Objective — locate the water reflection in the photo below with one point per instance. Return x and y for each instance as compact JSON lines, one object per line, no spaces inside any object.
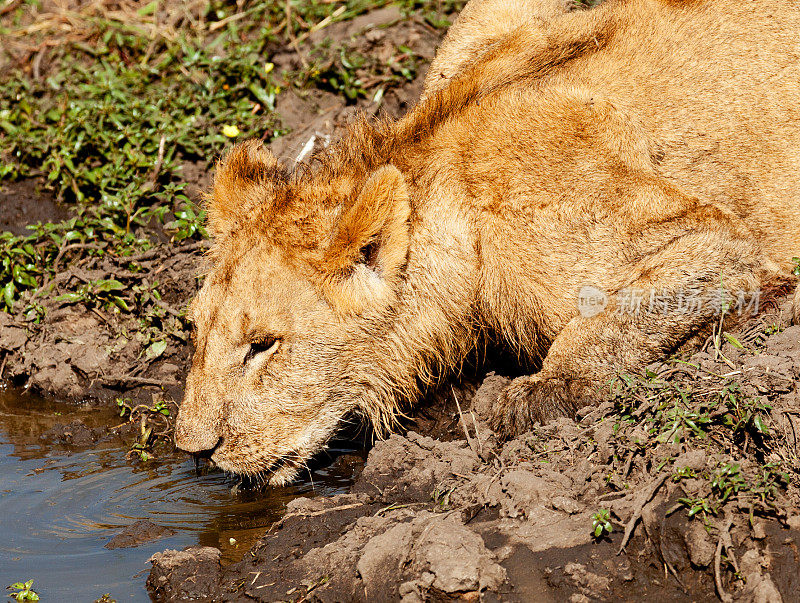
{"x":59,"y":505}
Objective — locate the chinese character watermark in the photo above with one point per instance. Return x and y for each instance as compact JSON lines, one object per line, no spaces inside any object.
{"x":592,"y":301}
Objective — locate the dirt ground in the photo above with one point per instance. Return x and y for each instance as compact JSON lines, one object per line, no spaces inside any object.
{"x":691,"y":472}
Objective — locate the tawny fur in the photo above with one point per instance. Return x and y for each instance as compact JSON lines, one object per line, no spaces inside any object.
{"x":479,"y":26}
{"x":646,"y":144}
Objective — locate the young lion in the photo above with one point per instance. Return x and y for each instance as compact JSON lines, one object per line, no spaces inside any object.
{"x":644,"y":150}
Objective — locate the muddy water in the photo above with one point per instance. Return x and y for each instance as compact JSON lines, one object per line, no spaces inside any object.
{"x":60,"y":505}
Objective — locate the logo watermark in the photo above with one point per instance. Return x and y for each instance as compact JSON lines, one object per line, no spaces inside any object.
{"x":591,"y":301}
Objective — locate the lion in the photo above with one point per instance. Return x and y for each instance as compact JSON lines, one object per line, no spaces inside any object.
{"x":592,"y":190}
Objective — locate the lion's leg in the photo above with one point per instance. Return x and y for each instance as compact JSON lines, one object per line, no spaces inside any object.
{"x":691,"y":268}
{"x":796,"y":307}
{"x":481,"y":23}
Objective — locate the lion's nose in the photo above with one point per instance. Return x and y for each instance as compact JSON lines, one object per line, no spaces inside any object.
{"x":195,"y":438}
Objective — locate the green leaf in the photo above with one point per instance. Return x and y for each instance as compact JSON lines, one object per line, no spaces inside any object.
{"x":148,"y":9}
{"x":8,"y":294}
{"x":262,"y":95}
{"x":733,"y":341}
{"x":156,"y":349}
{"x":760,"y":425}
{"x":120,"y":303}
{"x":107,"y":285}
{"x":71,"y":298}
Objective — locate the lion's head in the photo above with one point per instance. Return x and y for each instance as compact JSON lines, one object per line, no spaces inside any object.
{"x":305,"y":278}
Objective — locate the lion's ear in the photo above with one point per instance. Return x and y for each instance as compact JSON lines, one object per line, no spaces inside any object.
{"x":368,"y":250}
{"x":243,"y":180}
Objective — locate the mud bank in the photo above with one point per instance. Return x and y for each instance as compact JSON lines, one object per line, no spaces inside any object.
{"x":696,"y":465}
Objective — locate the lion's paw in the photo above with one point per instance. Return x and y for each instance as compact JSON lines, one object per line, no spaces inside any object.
{"x":535,"y":399}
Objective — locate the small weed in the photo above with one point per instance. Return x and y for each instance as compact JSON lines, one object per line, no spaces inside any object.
{"x":23,"y":591}
{"x":769,"y":480}
{"x":108,"y":132}
{"x":698,"y":505}
{"x":744,"y":415}
{"x":103,"y":293}
{"x":441,"y":497}
{"x":18,"y":267}
{"x":796,"y":269}
{"x":353,"y":75}
{"x":682,"y":473}
{"x":677,"y":419}
{"x":149,"y":418}
{"x":727,"y":481}
{"x":601,"y":523}
{"x":188,"y":223}
{"x":717,"y":417}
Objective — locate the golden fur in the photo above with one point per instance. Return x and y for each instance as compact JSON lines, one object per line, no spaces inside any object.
{"x":643,"y":145}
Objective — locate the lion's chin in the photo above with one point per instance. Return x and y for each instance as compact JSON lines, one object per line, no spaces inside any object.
{"x":283,"y":476}
{"x":282,"y":473}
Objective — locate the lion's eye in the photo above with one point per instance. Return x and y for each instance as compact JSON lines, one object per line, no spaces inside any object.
{"x":261,"y":346}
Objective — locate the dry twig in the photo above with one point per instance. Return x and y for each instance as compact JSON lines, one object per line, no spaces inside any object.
{"x":644,"y":498}
{"x":723,"y":542}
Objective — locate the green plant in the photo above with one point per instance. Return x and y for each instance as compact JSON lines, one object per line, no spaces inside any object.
{"x":698,"y":505}
{"x":441,"y":496}
{"x":23,"y":591}
{"x":769,"y":480}
{"x":676,"y":418}
{"x":189,"y":222}
{"x":104,"y":293}
{"x":346,"y":71}
{"x":150,"y":418}
{"x":727,"y":481}
{"x":712,"y":413}
{"x":796,"y":269}
{"x":744,"y":414}
{"x":601,"y":523}
{"x":18,"y":267}
{"x":683,"y":473}
{"x":109,"y":130}
{"x":125,"y":408}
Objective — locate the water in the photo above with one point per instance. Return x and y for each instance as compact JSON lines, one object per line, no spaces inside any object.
{"x":59,"y":506}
